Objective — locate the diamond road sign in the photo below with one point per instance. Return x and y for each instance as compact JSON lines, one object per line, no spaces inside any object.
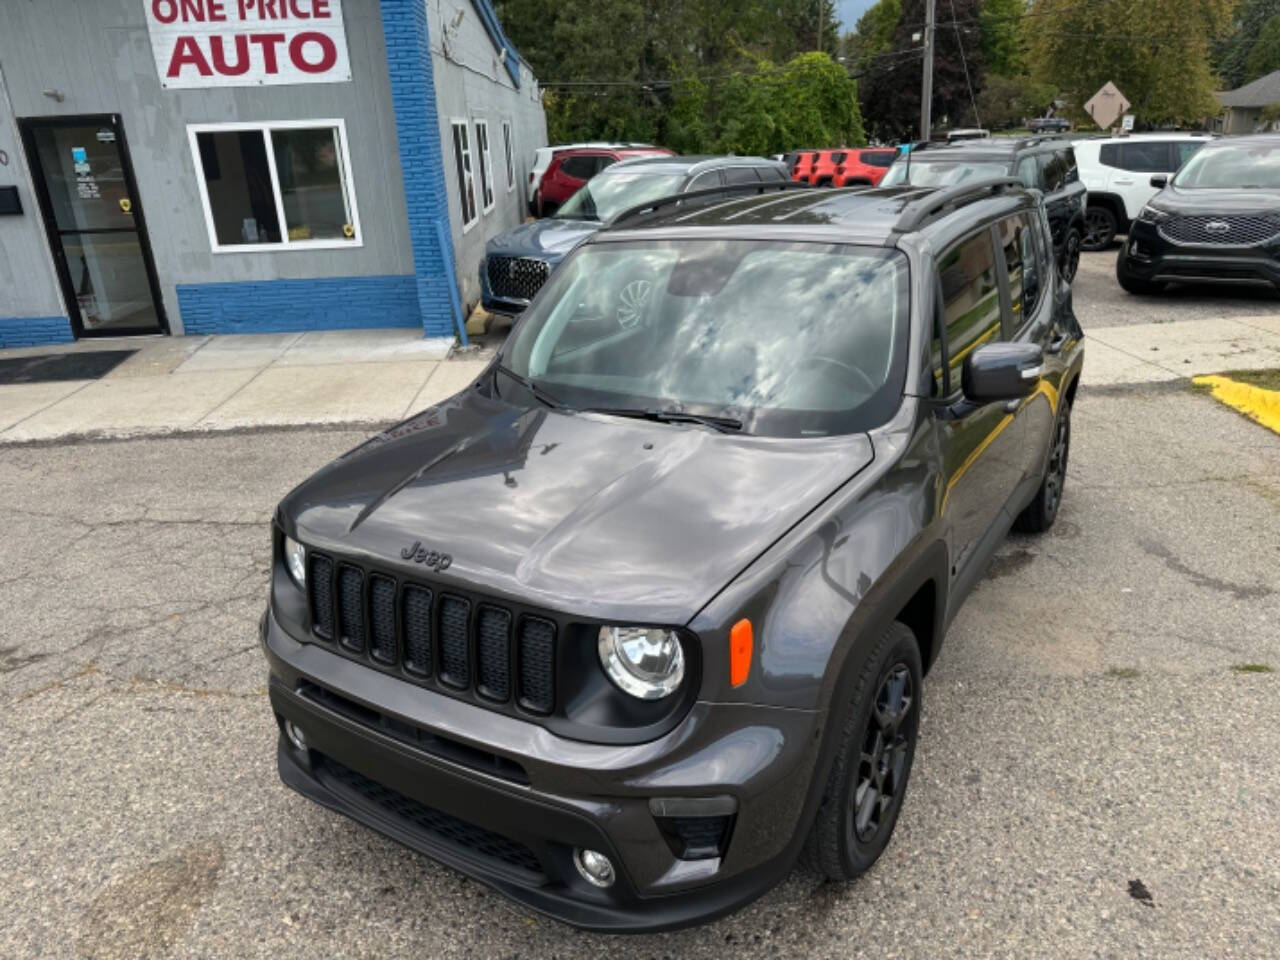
{"x":1107,"y":106}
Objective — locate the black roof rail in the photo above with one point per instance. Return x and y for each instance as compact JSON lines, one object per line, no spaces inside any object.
{"x":651,"y":206}
{"x":919,"y":212}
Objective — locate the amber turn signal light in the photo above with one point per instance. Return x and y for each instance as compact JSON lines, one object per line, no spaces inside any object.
{"x":740,"y":645}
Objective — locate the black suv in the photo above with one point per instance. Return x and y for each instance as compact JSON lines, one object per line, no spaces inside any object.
{"x":641,"y":616}
{"x":1216,"y":221}
{"x":1046,"y":163}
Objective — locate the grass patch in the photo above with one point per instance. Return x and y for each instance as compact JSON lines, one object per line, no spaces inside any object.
{"x":1252,"y":668}
{"x":1122,"y":673}
{"x":1264,"y":379}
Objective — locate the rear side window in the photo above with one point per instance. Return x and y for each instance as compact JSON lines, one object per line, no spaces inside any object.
{"x":879,"y":158}
{"x":1023,"y":264}
{"x":838,"y":157}
{"x":583,"y":168}
{"x":772,"y":173}
{"x":740,"y":175}
{"x":970,"y":305}
{"x":1109,"y":155}
{"x":1054,"y":168}
{"x":1146,"y":156}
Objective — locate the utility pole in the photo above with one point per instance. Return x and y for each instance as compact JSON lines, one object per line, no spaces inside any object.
{"x":822,"y":9}
{"x":926,"y":89}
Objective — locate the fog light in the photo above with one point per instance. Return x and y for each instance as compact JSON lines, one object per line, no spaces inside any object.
{"x":295,"y":735}
{"x":594,"y":867}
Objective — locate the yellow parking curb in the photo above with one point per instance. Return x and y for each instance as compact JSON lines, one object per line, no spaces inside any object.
{"x":1254,"y":402}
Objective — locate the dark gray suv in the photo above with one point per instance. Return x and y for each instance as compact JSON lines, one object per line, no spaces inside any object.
{"x":517,"y":263}
{"x":641,"y":616}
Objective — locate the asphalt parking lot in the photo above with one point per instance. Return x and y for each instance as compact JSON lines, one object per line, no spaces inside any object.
{"x":1097,"y":776}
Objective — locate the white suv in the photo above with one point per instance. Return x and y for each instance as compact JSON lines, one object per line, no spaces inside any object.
{"x":1117,"y":172}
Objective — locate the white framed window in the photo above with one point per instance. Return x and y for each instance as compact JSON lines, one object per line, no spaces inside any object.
{"x":509,"y":147}
{"x":486,"y":164}
{"x":465,"y":172}
{"x":284,"y":185}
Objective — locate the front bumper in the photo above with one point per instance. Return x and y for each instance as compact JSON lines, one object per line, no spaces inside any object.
{"x":507,"y":802}
{"x":1148,"y":257}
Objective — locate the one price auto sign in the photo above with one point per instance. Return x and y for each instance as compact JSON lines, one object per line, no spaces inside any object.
{"x":247,"y":43}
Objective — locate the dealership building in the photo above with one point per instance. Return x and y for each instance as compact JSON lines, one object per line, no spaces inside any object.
{"x":254,"y":166}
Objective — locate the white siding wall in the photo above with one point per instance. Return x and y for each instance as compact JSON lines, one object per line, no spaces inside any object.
{"x":472,"y":83}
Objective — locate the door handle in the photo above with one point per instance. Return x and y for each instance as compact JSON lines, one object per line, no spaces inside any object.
{"x":1055,"y":346}
{"x":1123,"y":181}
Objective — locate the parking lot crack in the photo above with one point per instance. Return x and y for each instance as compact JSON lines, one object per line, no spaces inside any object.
{"x":1238,"y":591}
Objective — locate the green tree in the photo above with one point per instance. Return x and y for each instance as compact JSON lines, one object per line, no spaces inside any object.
{"x":809,"y":101}
{"x":1265,"y":55}
{"x":873,"y":35}
{"x":1010,"y":101}
{"x":891,"y":86}
{"x":1001,"y":25}
{"x":1231,"y":51}
{"x":1159,"y":62}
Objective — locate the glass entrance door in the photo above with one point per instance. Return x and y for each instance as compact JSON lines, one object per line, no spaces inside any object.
{"x":94,"y":222}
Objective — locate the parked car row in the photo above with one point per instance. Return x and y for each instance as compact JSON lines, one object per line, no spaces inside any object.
{"x":1216,"y":220}
{"x":1046,"y":163}
{"x":559,"y":172}
{"x":847,"y":167}
{"x":1117,"y":172}
{"x":517,"y":263}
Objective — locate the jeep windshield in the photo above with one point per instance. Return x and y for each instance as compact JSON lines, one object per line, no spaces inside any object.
{"x":771,"y":338}
{"x":608,"y":194}
{"x":1232,"y":167}
{"x":943,"y":171}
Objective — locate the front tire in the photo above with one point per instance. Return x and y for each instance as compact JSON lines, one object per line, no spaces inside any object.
{"x":864,"y":792}
{"x":1131,"y":284}
{"x":1041,"y":512}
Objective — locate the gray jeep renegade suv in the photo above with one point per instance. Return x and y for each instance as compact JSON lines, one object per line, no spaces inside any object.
{"x":641,"y":616}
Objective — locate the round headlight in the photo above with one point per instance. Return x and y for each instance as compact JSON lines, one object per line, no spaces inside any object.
{"x":295,"y":561}
{"x":646,"y":662}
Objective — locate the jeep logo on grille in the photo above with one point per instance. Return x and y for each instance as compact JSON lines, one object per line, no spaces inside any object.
{"x":431,"y":559}
{"x":1217,"y":226}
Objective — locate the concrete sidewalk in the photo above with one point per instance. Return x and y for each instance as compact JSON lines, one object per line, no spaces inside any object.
{"x":219,"y":383}
{"x":1181,"y":349}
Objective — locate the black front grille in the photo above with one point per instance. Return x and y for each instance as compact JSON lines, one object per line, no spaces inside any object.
{"x":320,"y":579}
{"x":1229,"y":230}
{"x":429,"y":635}
{"x":350,"y":608}
{"x":518,"y":277}
{"x":438,"y":825}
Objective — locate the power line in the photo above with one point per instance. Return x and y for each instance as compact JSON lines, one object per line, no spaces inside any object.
{"x":964,"y":63}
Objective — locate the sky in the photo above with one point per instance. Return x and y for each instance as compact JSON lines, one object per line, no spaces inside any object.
{"x":849,"y":11}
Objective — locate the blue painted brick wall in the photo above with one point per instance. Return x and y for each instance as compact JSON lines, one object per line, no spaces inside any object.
{"x":280,"y":306}
{"x":34,"y":331}
{"x":413,"y":97}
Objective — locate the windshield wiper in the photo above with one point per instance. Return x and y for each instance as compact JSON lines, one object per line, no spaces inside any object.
{"x":722,"y":424}
{"x":537,"y":391}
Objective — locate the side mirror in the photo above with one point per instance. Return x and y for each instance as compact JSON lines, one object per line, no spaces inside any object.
{"x":1160,"y":180}
{"x":1002,"y":371}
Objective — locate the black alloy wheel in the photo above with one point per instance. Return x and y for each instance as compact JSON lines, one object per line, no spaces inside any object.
{"x":1071,"y":255}
{"x":878,"y":727}
{"x":1099,"y":229}
{"x":1043,"y":510}
{"x":883,"y":763}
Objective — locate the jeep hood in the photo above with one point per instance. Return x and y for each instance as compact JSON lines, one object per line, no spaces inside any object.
{"x":586,"y":514}
{"x":548,"y":239}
